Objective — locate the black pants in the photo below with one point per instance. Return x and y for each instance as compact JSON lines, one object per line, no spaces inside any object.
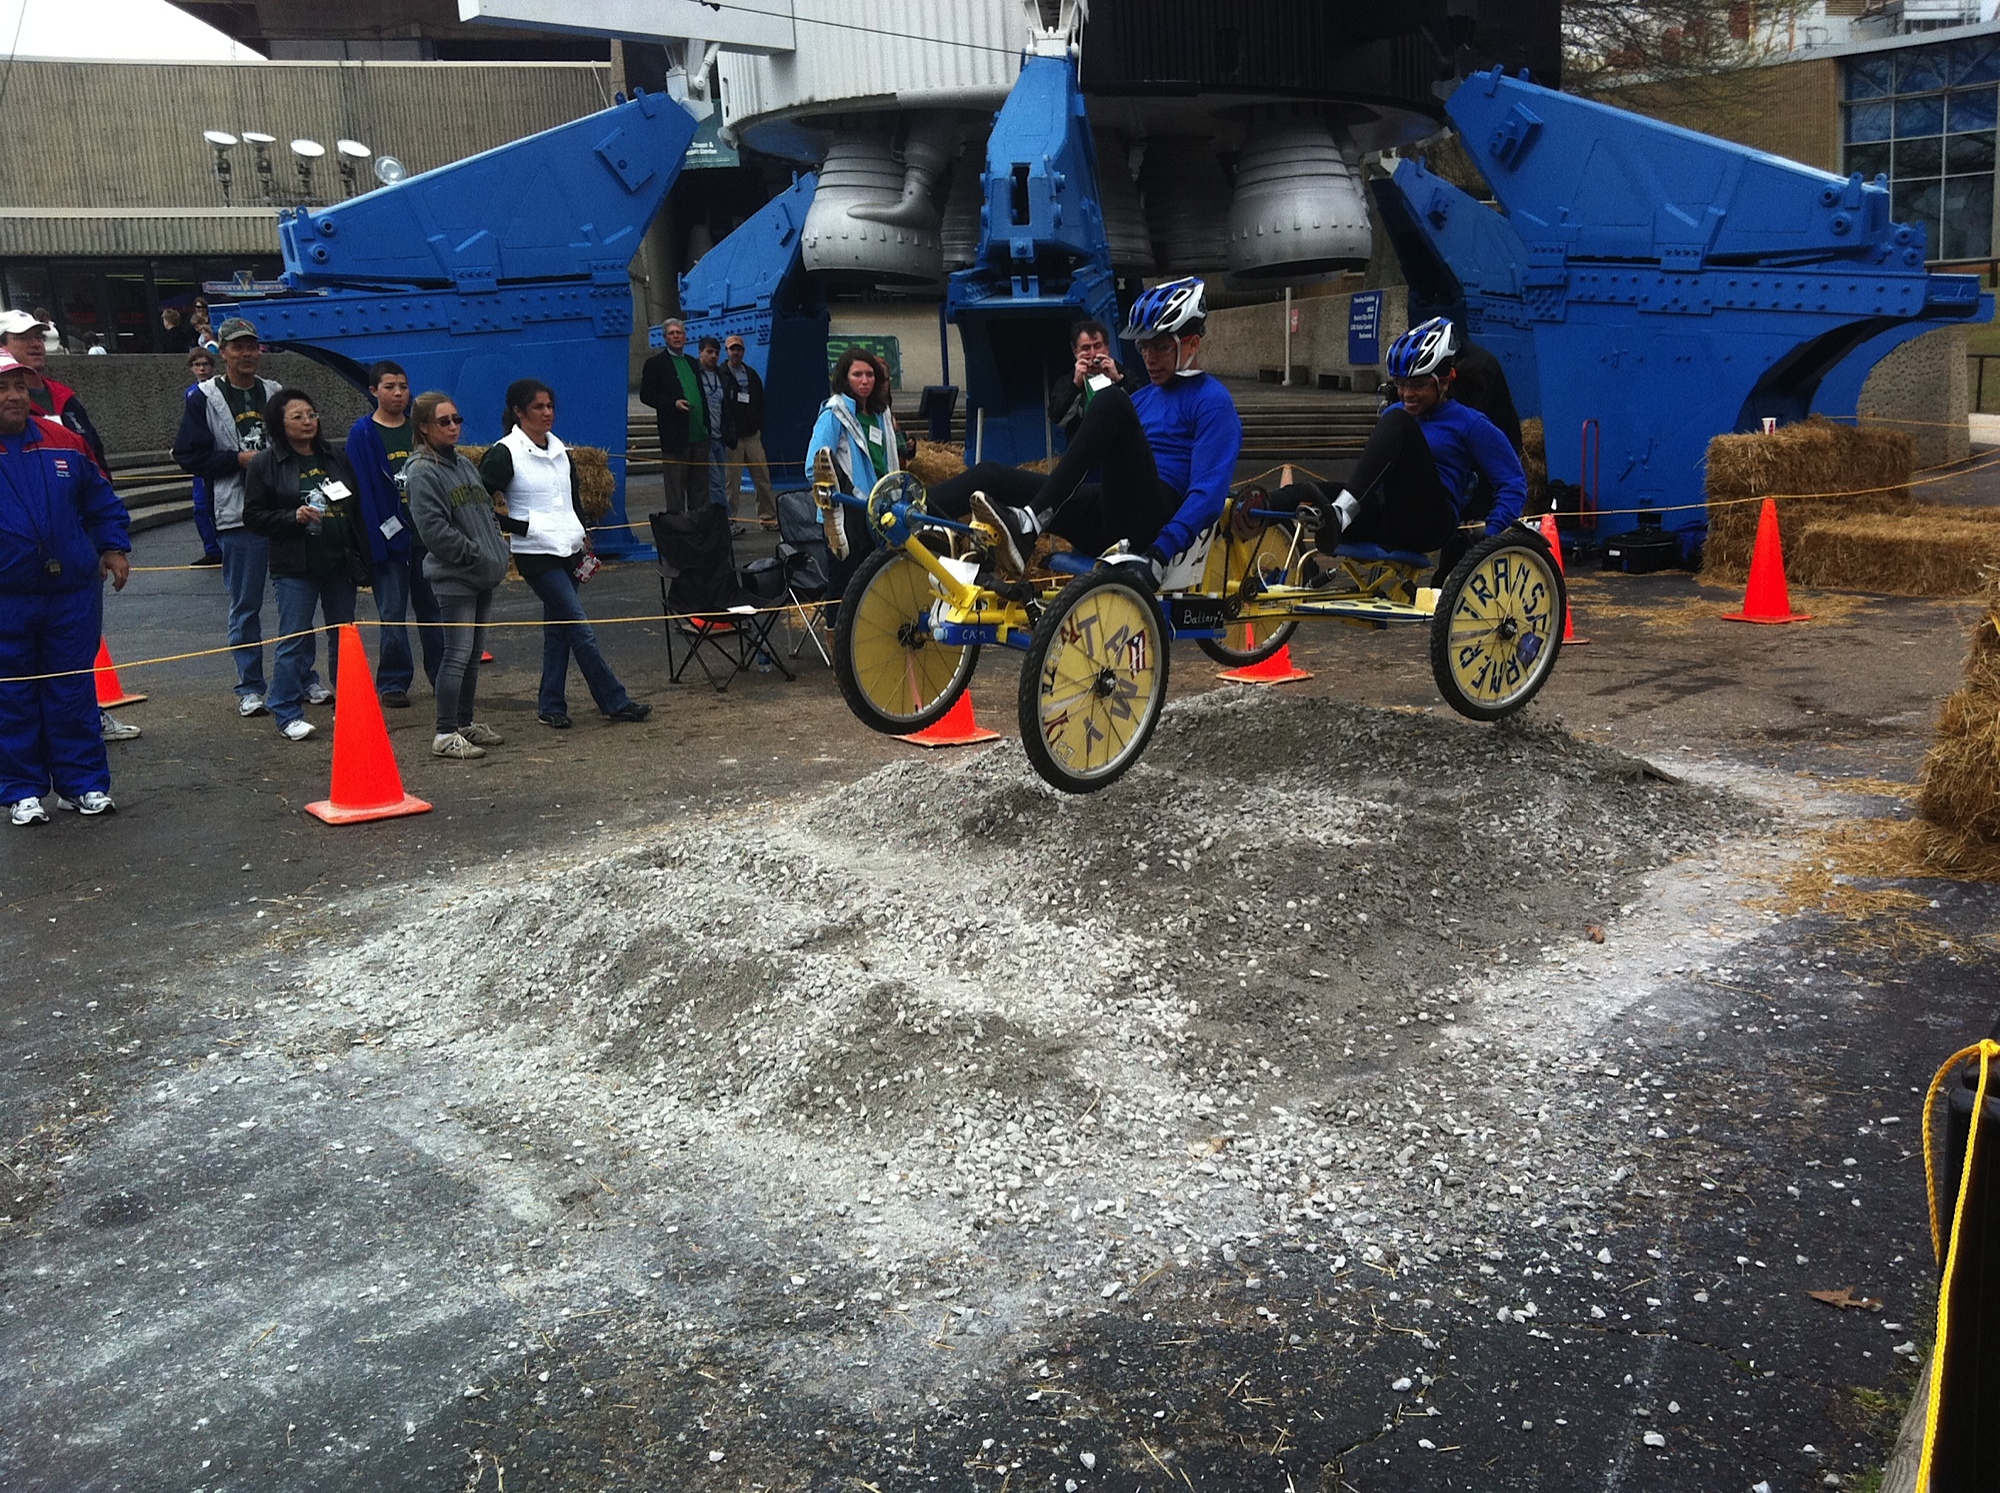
{"x":1129,"y":502}
{"x":1404,"y":503}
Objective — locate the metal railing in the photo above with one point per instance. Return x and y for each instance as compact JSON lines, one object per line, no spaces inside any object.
{"x":1980,"y":360}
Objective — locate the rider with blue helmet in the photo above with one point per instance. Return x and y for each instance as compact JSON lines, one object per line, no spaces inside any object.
{"x":1165,"y":456}
{"x":1426,"y":455}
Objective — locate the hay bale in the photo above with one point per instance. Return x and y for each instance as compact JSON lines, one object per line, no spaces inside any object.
{"x":1816,"y":469}
{"x":1926,"y":550}
{"x":1535,"y":461}
{"x":936,"y":460}
{"x":1960,"y":792}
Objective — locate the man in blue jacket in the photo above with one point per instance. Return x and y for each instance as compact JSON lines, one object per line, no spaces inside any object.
{"x":1165,"y":455}
{"x":1411,"y":485}
{"x":377,"y":447}
{"x":62,"y":531}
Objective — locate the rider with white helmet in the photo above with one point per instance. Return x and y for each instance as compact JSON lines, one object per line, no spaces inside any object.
{"x":1165,"y":455}
{"x":1411,"y":484}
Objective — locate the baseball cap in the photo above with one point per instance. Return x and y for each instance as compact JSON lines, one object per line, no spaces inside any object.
{"x":10,"y":364}
{"x":233,"y":328}
{"x":16,"y":322}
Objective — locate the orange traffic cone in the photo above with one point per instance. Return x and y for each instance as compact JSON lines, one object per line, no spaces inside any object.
{"x":959,"y":727}
{"x":1277,"y":669}
{"x":1767,"y":598}
{"x":1549,"y":532}
{"x":109,"y":691}
{"x":366,"y":784}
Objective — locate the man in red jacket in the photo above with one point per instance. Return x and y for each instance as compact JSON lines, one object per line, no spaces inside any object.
{"x":62,"y":532}
{"x":25,"y":340}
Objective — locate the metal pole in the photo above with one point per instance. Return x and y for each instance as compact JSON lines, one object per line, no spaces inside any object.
{"x":1048,"y":430}
{"x":944,"y":344}
{"x":979,"y":438}
{"x":1286,"y":381}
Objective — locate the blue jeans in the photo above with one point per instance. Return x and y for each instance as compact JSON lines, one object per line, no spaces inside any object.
{"x":458,"y":671}
{"x":245,"y":561}
{"x":299,"y":597}
{"x":400,"y":589}
{"x":204,"y":517}
{"x":718,"y":457}
{"x":566,"y":631}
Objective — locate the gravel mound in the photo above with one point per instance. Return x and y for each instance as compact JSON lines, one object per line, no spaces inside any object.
{"x":947,"y":1025}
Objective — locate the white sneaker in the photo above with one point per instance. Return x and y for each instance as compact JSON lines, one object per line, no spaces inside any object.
{"x":456,"y":747}
{"x":28,"y":811}
{"x":318,"y":694}
{"x":87,"y":804}
{"x":481,"y":734}
{"x":249,"y":705}
{"x":296,"y":730}
{"x":113,"y":729}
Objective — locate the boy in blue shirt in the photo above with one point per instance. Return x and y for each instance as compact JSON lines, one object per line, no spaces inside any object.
{"x":1410,"y":487}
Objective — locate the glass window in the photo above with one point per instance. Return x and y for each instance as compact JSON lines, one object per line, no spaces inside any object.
{"x":1918,"y":158}
{"x":1916,"y":203}
{"x":1868,"y":121}
{"x":1975,"y":61}
{"x":1968,"y":217}
{"x":1870,"y":160}
{"x":1971,"y":110}
{"x":1920,"y":69}
{"x":1964,"y":154}
{"x":1869,"y":77}
{"x":1919,"y":116}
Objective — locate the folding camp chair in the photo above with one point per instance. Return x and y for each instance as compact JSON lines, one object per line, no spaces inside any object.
{"x":704,"y":601}
{"x":805,"y":565}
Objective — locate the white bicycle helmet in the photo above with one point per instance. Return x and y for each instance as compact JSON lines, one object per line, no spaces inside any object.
{"x":1426,"y":350}
{"x":1169,"y":310}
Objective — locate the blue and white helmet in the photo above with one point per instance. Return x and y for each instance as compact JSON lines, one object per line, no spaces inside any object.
{"x":1168,"y":310}
{"x":1425,"y":351}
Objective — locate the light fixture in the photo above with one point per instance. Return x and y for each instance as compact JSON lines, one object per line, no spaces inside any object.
{"x":307,"y":152}
{"x":350,"y":152}
{"x":389,"y":170}
{"x":223,"y":142}
{"x":265,"y":178}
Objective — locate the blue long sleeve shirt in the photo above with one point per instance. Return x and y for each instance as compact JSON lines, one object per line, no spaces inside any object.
{"x":380,"y":500}
{"x":58,"y":512}
{"x":1196,"y":435}
{"x":1464,"y":442}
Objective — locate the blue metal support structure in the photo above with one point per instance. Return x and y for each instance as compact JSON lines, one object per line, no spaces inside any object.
{"x":753,"y":285}
{"x":1043,"y":261}
{"x":508,"y":264}
{"x":1666,"y":284}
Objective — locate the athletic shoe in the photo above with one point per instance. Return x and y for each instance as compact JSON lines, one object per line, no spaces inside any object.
{"x":113,"y":729}
{"x":90,"y":805}
{"x":631,"y":710}
{"x":1017,"y":530}
{"x":480,"y":734}
{"x":396,"y":699}
{"x":249,"y":705}
{"x":826,"y":488}
{"x":555,"y":721}
{"x":28,"y":811}
{"x":297,"y":730}
{"x":205,"y":560}
{"x":456,"y":747}
{"x":318,"y":694}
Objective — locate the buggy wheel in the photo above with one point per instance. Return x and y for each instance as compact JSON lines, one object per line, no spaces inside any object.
{"x":1093,"y":682}
{"x":1274,"y":560}
{"x":1498,"y":626}
{"x":896,"y":677}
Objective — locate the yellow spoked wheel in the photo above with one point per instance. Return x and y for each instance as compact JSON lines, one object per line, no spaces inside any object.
{"x":1093,"y":683}
{"x":1275,"y":561}
{"x":1498,"y":626}
{"x":896,"y":677}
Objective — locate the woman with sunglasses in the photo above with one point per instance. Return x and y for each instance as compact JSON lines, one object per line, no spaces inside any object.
{"x":465,"y":559}
{"x":529,"y":472}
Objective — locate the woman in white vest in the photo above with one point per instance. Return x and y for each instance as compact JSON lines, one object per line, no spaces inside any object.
{"x":530,"y":474}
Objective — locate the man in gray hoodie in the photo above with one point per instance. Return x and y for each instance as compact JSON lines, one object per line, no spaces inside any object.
{"x":222,"y":428}
{"x":465,"y":562}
